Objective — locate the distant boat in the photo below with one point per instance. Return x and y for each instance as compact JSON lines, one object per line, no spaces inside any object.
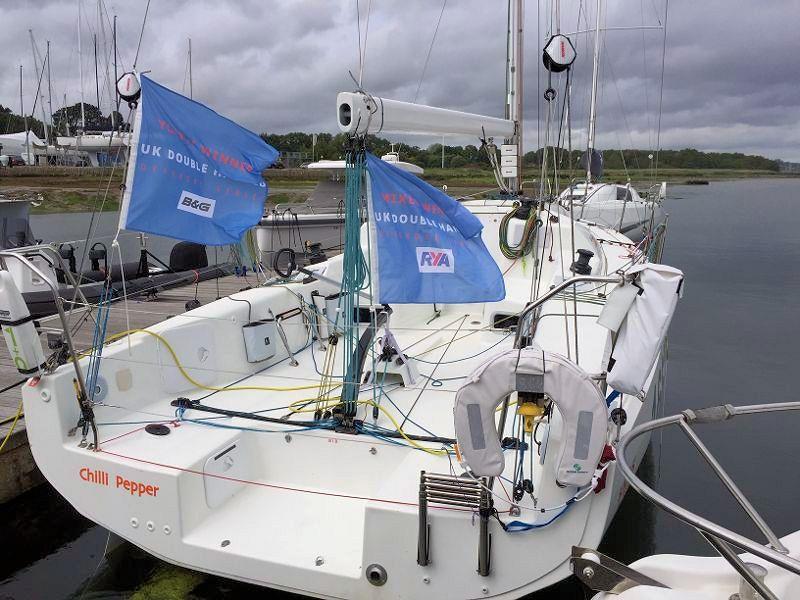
{"x":58,"y":262}
{"x":98,"y":148}
{"x":620,"y":207}
{"x":320,"y":220}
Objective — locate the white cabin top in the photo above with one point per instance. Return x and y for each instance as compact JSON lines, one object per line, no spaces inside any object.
{"x":390,"y":157}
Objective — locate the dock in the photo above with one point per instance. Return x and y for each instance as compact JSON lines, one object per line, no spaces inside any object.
{"x":18,"y":471}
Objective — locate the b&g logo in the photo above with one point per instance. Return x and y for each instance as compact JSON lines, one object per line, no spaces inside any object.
{"x":197,"y":205}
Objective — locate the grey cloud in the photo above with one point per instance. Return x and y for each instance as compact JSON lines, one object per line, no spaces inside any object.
{"x":730,"y":79}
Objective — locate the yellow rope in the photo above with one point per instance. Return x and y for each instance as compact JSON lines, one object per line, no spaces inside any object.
{"x":292,"y":407}
{"x":13,"y":425}
{"x":196,"y":383}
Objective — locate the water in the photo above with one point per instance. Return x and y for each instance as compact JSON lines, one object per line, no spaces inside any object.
{"x":732,"y":341}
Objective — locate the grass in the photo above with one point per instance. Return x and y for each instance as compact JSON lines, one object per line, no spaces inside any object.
{"x":287,"y":197}
{"x":63,"y":189}
{"x":472,"y":176}
{"x":63,"y":201}
{"x":169,"y":583}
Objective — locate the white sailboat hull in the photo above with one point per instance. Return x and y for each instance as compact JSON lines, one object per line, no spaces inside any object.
{"x":309,"y":510}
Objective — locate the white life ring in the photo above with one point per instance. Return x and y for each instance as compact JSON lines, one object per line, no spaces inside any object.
{"x":578,"y":399}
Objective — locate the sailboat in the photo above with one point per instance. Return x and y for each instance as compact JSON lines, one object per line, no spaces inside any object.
{"x":421,"y":416}
{"x":620,"y":207}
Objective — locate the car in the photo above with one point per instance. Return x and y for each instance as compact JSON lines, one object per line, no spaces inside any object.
{"x":7,"y":160}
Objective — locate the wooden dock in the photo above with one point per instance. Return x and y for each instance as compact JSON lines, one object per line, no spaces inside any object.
{"x":18,"y":472}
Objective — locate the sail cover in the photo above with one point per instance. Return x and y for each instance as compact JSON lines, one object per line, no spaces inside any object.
{"x":193,"y":175}
{"x":426,"y":247}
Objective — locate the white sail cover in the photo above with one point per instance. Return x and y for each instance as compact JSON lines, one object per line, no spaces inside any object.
{"x":644,"y":326}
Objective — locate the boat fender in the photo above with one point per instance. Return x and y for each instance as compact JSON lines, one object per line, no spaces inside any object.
{"x":18,"y":328}
{"x":579,"y":401}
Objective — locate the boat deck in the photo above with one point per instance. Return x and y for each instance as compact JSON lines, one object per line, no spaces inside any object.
{"x":18,"y":473}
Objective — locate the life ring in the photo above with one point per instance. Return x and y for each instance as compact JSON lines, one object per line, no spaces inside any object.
{"x":579,"y":401}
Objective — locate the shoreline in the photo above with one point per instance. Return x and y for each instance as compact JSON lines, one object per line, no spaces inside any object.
{"x":59,"y":190}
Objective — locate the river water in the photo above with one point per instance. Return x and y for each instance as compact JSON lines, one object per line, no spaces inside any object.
{"x":733,"y":340}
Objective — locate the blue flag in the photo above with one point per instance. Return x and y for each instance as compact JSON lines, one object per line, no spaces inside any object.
{"x":193,"y":174}
{"x":428,"y":247}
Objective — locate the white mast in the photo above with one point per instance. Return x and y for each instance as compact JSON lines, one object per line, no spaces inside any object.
{"x":109,"y":85}
{"x":25,"y":120}
{"x":49,"y":91}
{"x":36,"y":59}
{"x":191,"y":94}
{"x":515,"y":93}
{"x":80,"y":64}
{"x":593,"y":104}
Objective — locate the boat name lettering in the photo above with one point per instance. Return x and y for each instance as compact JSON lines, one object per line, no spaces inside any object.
{"x":134,"y":488}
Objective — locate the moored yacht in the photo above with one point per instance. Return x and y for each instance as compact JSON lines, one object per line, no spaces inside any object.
{"x":421,"y":416}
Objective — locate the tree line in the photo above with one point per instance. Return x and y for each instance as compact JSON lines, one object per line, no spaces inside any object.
{"x":331,"y":147}
{"x":66,"y":119}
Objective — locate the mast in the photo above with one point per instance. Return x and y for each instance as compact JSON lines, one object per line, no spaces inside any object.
{"x":49,"y":90}
{"x":191,"y":95}
{"x":66,"y":121}
{"x":36,"y":59}
{"x":80,"y":64}
{"x":25,"y":118}
{"x":114,"y":105}
{"x":593,"y":103}
{"x":517,"y":22}
{"x":96,"y":75}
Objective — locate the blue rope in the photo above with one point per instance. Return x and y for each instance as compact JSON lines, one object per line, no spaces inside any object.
{"x":611,"y":397}
{"x":98,"y":339}
{"x":520,"y":526}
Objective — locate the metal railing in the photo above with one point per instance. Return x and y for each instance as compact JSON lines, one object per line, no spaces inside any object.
{"x":530,"y":308}
{"x":721,"y":539}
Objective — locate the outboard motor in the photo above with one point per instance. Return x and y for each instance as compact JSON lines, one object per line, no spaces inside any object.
{"x":186,"y":256}
{"x":97,"y":253}
{"x":19,"y":331}
{"x":68,"y":254}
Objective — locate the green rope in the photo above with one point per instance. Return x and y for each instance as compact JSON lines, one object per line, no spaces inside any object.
{"x":528,"y":239}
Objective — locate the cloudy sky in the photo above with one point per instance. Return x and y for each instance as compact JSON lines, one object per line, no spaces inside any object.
{"x":732,"y":70}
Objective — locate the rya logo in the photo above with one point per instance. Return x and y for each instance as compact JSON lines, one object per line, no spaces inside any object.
{"x":197,"y":205}
{"x":435,"y":260}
